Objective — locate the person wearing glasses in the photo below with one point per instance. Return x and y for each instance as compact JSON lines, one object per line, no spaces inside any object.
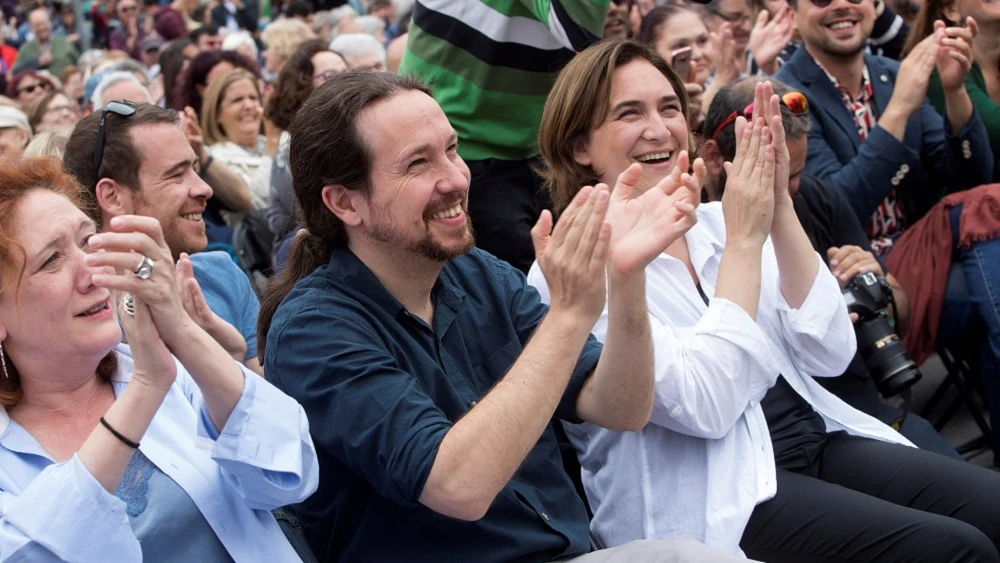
{"x":53,"y":112}
{"x":26,"y":87}
{"x":361,"y":51}
{"x":162,"y":449}
{"x":730,"y":21}
{"x":129,"y":29}
{"x":834,"y":232}
{"x":875,"y":137}
{"x":744,"y":450}
{"x":312,"y":64}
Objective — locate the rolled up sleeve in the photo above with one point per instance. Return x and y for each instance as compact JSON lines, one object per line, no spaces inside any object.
{"x":708,"y":374}
{"x":819,"y":334}
{"x":265,"y":450}
{"x":65,"y":515}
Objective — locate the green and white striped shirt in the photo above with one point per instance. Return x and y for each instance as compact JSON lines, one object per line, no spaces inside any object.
{"x":492,"y":63}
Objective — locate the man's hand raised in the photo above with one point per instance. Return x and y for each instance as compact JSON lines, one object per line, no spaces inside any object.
{"x":574,"y":255}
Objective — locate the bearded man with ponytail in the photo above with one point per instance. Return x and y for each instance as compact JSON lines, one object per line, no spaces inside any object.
{"x":409,"y":348}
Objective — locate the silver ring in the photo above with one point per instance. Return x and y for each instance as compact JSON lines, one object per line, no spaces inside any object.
{"x":144,"y":269}
{"x":128,"y":303}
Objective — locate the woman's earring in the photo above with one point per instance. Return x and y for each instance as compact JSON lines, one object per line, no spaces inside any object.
{"x":3,"y":361}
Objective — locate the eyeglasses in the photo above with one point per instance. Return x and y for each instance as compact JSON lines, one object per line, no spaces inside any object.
{"x":742,"y":17}
{"x":326,"y":75}
{"x":825,"y":3}
{"x":62,"y":107}
{"x":30,"y":88}
{"x":126,"y":9}
{"x":795,"y":101}
{"x":122,"y":109}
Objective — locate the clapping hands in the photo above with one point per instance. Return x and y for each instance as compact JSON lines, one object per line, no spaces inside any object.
{"x":644,"y":225}
{"x":769,"y":37}
{"x":954,"y":55}
{"x":616,"y":232}
{"x":749,"y":199}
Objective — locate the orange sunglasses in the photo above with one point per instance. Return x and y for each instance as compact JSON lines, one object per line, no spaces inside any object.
{"x":795,"y":101}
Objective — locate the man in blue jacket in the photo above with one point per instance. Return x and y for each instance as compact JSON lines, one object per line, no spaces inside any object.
{"x":875,"y":137}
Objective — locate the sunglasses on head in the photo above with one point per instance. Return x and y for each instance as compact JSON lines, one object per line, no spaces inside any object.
{"x":122,"y":109}
{"x":795,"y":101}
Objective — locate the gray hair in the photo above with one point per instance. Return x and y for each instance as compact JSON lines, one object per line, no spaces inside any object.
{"x":320,"y":19}
{"x":372,"y":25}
{"x":353,"y":44}
{"x":237,"y":39}
{"x":130,"y":65}
{"x":114,"y":78}
{"x":337,"y":16}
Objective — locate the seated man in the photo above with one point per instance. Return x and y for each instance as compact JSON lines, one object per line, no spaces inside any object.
{"x":147,"y":167}
{"x":876,"y":139}
{"x":834,"y":232}
{"x":410,"y":351}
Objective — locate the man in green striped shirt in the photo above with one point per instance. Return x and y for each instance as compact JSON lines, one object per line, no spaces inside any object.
{"x":491,"y":64}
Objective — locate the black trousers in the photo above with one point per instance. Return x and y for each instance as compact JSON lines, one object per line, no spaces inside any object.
{"x":865,"y":500}
{"x":505,"y":200}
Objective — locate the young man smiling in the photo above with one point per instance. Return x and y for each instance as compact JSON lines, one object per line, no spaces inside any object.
{"x":147,"y":167}
{"x":875,"y":137}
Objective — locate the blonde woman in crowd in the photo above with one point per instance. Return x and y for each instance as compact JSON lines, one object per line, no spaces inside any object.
{"x":47,"y":143}
{"x":231,"y":120}
{"x":282,"y":38}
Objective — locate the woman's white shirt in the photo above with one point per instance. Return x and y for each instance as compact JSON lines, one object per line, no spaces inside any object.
{"x":705,"y":460}
{"x":254,"y":168}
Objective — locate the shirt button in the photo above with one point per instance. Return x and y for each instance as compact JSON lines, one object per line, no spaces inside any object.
{"x":474,"y":403}
{"x":965,"y":144}
{"x":675,"y":412}
{"x":900,"y":174}
{"x":883,"y":78}
{"x":545,"y":517}
{"x":894,"y":181}
{"x":904,"y":168}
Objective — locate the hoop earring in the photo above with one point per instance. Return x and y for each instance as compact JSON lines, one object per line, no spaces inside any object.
{"x":3,"y":361}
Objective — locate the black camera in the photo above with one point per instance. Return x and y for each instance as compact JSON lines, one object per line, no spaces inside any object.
{"x":891,"y":367}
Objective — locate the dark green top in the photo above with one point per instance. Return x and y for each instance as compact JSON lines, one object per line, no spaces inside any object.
{"x":989,"y":111}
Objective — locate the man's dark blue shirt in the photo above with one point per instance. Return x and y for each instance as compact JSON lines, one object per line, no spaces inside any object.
{"x":382,"y":388}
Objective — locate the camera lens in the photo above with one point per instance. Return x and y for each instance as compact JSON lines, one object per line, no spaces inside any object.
{"x":886,"y":358}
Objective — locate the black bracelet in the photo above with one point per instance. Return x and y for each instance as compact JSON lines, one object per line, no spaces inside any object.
{"x":117,"y":434}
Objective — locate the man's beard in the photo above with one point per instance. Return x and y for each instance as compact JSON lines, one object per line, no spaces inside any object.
{"x":384,"y":231}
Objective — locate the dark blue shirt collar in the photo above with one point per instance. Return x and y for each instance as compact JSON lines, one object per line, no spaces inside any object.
{"x":350,"y":270}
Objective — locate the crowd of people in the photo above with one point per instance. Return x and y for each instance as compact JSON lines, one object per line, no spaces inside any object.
{"x":590,"y":281}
